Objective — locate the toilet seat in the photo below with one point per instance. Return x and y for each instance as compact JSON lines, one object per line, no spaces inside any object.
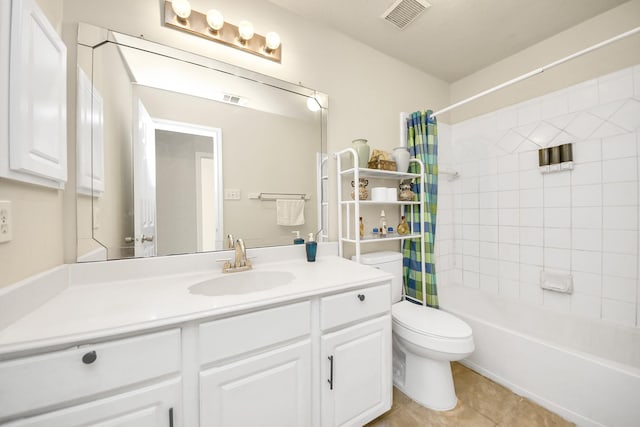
{"x":431,"y":329}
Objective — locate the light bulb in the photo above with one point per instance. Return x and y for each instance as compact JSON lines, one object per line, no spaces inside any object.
{"x":312,"y":104}
{"x":272,"y":41}
{"x":245,"y":30}
{"x":215,"y":20}
{"x":181,"y":8}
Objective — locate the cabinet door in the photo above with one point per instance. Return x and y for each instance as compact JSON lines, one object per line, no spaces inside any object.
{"x":356,"y":373}
{"x":154,"y":406}
{"x":37,"y":97}
{"x":269,"y":389}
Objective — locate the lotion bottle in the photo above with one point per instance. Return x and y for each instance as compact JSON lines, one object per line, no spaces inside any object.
{"x":312,"y":247}
{"x":298,"y":240}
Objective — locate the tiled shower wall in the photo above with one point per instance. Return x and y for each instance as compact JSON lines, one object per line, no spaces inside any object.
{"x":502,"y":221}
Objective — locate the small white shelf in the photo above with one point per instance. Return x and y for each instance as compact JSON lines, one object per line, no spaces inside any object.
{"x":381,"y":202}
{"x":379,"y":173}
{"x":384,"y":239}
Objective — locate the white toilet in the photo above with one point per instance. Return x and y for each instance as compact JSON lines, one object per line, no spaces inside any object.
{"x":425,"y":341}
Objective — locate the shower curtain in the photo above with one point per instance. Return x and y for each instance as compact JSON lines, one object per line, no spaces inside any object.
{"x":422,"y":141}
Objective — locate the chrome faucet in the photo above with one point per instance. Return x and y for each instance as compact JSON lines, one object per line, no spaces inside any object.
{"x":241,"y":263}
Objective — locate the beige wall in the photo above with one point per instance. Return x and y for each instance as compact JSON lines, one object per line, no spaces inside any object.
{"x":616,"y":56}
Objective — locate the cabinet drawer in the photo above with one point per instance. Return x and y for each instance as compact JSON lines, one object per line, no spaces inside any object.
{"x":233,"y":336}
{"x":55,"y":378}
{"x":336,"y":310}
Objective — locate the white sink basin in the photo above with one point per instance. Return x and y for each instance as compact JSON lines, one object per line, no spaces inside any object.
{"x":245,"y":282}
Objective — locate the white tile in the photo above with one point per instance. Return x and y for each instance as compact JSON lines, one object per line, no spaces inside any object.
{"x":508,"y":199}
{"x":471,"y":247}
{"x":606,"y":110}
{"x":530,"y":274}
{"x":559,"y":238}
{"x":471,"y":279}
{"x":615,"y":86}
{"x":528,"y":160}
{"x":508,"y":181}
{"x":510,"y":288}
{"x":620,"y":241}
{"x":586,"y":305}
{"x":620,"y":217}
{"x":619,"y":170}
{"x":525,"y":130}
{"x":620,"y":265}
{"x":586,"y":261}
{"x":583,"y":125}
{"x":587,"y":151}
{"x":530,"y":294}
{"x":620,"y":194}
{"x":531,"y":236}
{"x":488,"y":216}
{"x":469,"y":185}
{"x":557,"y":197}
{"x":583,"y":96}
{"x":587,"y":283}
{"x":619,"y":288}
{"x":555,"y":104}
{"x":588,"y":240}
{"x":488,"y":233}
{"x":488,"y":167}
{"x":562,"y":138}
{"x":619,"y":312}
{"x":508,"y":234}
{"x":470,"y":216}
{"x":586,"y":173}
{"x":529,"y":112}
{"x":628,"y":116}
{"x":508,"y":163}
{"x":531,"y":179}
{"x":507,"y":118}
{"x":531,"y":198}
{"x":509,"y":270}
{"x":469,"y":201}
{"x":544,"y":134}
{"x":531,"y":217}
{"x":470,"y":232}
{"x":586,"y":195}
{"x":607,"y":130}
{"x":489,"y":284}
{"x":471,"y":263}
{"x":488,"y":183}
{"x":510,"y":141}
{"x":557,"y":179}
{"x":488,"y":200}
{"x":488,"y":250}
{"x":509,"y":217}
{"x":533,"y":255}
{"x":556,"y":301}
{"x":562,"y":121}
{"x":557,"y":217}
{"x":508,"y":252}
{"x":619,"y":146}
{"x":557,"y":258}
{"x":589,"y":217}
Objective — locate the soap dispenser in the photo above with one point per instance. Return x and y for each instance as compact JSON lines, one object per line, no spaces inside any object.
{"x":312,"y":247}
{"x":298,"y":240}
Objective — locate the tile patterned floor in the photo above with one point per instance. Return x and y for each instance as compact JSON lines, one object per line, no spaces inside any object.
{"x":481,"y":402}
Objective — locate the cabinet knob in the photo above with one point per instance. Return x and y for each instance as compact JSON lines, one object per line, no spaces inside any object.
{"x":89,"y":358}
{"x":361,"y":297}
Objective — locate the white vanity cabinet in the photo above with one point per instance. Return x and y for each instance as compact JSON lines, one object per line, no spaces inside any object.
{"x":132,"y":381}
{"x":256,"y":368}
{"x":355,"y":356}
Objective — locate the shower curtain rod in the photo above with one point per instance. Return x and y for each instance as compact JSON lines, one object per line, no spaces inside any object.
{"x":538,"y":71}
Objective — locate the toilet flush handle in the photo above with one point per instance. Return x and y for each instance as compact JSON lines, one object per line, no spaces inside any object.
{"x":361,"y":297}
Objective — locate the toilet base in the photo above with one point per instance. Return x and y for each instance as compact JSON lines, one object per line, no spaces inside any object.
{"x":426,"y":381}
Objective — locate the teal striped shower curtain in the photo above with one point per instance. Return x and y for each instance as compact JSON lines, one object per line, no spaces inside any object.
{"x":422,"y":141}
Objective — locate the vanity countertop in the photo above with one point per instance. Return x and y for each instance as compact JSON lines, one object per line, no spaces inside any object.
{"x":82,"y":312}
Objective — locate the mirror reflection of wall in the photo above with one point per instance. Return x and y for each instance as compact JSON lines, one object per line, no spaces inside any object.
{"x":268,"y":140}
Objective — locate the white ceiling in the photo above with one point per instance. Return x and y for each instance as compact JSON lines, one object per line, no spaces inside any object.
{"x":458,"y":37}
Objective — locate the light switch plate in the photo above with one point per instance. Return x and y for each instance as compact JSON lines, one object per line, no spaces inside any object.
{"x":231,"y":194}
{"x":6,"y":227}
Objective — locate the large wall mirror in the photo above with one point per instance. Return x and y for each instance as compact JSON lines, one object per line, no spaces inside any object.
{"x":178,"y":151}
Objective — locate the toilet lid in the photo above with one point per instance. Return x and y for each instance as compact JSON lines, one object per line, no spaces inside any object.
{"x":429,"y":321}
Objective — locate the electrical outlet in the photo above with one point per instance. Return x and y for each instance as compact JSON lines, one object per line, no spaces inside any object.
{"x":6,"y":228}
{"x":231,"y":194}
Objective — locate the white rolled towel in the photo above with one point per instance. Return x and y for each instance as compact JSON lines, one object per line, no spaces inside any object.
{"x":289,"y":212}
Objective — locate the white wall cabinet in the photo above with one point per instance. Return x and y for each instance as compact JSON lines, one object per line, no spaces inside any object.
{"x":34,"y":69}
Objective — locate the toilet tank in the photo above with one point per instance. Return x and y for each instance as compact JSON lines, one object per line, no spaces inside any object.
{"x":388,"y":261}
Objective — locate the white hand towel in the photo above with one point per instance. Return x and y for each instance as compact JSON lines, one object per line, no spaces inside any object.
{"x":290,"y":212}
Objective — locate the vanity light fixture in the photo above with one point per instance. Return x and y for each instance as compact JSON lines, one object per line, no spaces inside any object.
{"x":212,"y":26}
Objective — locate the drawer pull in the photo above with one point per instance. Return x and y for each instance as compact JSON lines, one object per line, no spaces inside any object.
{"x":89,"y":358}
{"x":330,"y":380}
{"x":361,"y":297}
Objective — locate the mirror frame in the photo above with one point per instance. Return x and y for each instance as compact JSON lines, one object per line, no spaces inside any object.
{"x":91,"y":37}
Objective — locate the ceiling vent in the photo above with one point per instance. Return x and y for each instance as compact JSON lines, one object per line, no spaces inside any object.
{"x":402,"y":12}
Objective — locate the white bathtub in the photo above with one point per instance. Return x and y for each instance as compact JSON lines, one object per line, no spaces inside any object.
{"x":587,"y":371}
